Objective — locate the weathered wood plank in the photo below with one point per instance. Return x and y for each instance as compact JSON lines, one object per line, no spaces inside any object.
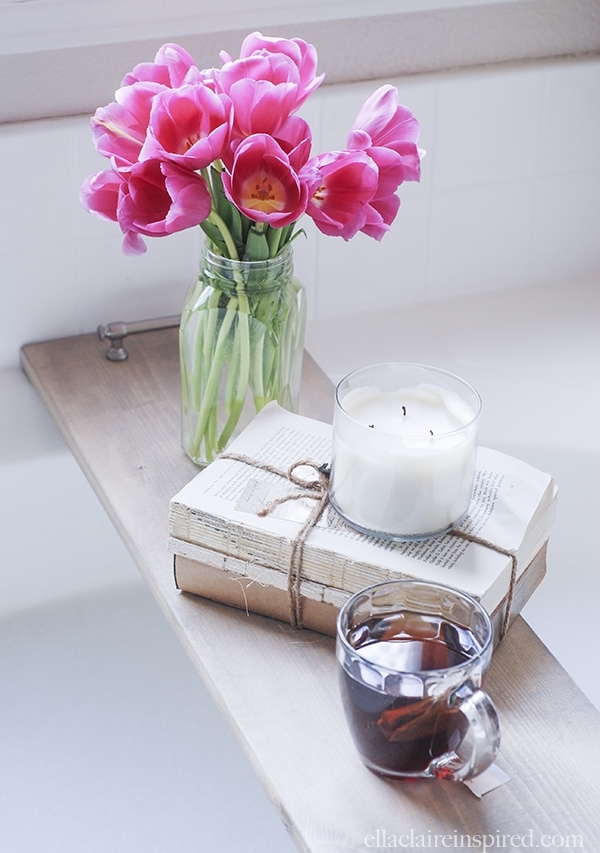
{"x":278,"y":687}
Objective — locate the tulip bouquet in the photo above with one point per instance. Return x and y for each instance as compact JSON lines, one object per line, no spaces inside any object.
{"x":225,"y":149}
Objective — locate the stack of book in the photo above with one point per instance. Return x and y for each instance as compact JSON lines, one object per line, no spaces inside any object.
{"x":234,"y":527}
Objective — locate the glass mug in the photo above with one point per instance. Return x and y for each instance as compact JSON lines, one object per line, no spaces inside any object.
{"x":412,"y":657}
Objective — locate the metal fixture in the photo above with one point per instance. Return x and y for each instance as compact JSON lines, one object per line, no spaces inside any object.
{"x":118,"y":331}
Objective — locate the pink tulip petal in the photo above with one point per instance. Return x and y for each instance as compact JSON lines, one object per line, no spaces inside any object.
{"x":390,"y":168}
{"x":191,"y":199}
{"x":381,"y":213}
{"x":295,"y":138}
{"x":119,"y":129}
{"x":133,"y":244}
{"x":99,"y":194}
{"x":385,"y":120}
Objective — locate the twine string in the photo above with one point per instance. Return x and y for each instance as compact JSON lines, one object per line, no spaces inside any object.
{"x":317,"y":489}
{"x":478,"y":540}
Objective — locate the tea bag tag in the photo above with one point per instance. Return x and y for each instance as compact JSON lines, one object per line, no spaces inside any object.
{"x":491,"y":778}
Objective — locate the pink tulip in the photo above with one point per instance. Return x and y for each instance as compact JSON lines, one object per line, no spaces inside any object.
{"x":173,"y":66}
{"x":262,"y":183}
{"x":268,"y":83}
{"x":189,"y":126}
{"x":264,"y":91}
{"x":301,"y":54}
{"x":154,"y":199}
{"x":119,"y":129}
{"x":339,"y":205}
{"x":388,"y":133}
{"x":158,"y":199}
{"x":383,"y":123}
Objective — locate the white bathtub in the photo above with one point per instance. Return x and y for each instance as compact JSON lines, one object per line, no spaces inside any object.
{"x":108,"y":739}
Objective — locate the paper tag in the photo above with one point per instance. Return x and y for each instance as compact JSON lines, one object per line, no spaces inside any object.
{"x":491,"y":778}
{"x":258,"y":494}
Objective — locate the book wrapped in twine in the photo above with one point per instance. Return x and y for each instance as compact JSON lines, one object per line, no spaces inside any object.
{"x":317,"y":489}
{"x":301,"y":565}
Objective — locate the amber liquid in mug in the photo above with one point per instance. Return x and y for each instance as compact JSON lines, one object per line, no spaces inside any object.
{"x":400,"y":735}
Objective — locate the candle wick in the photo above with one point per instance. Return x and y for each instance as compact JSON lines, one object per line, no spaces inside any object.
{"x":404,"y":410}
{"x":430,"y":432}
{"x":372,"y":426}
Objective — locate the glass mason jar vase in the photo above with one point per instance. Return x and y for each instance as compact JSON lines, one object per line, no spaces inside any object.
{"x":241,"y":345}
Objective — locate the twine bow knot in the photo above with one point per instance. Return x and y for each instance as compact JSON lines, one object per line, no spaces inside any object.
{"x":317,"y":489}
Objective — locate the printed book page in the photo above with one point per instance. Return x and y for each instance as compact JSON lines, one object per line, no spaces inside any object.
{"x":513,"y":506}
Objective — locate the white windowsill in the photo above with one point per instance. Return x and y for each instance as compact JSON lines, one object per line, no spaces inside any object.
{"x":64,"y":57}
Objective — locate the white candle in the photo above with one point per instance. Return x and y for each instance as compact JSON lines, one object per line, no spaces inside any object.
{"x":405,"y":439}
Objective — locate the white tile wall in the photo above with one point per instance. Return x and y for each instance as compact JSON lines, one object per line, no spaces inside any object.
{"x":509,"y":197}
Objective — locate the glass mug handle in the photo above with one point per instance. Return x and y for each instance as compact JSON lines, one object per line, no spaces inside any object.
{"x":481,"y":740}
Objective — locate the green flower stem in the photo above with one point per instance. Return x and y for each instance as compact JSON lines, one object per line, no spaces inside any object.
{"x":258,"y":374}
{"x":234,"y":403}
{"x":243,"y":330}
{"x":212,"y":318}
{"x":210,"y":397}
{"x":198,"y":364}
{"x":234,"y":406}
{"x":185,"y":384}
{"x":290,"y":346}
{"x":233,"y":368}
{"x":235,"y":412}
{"x":189,"y":372}
{"x":210,"y":438}
{"x":225,"y":232}
{"x":274,"y":240}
